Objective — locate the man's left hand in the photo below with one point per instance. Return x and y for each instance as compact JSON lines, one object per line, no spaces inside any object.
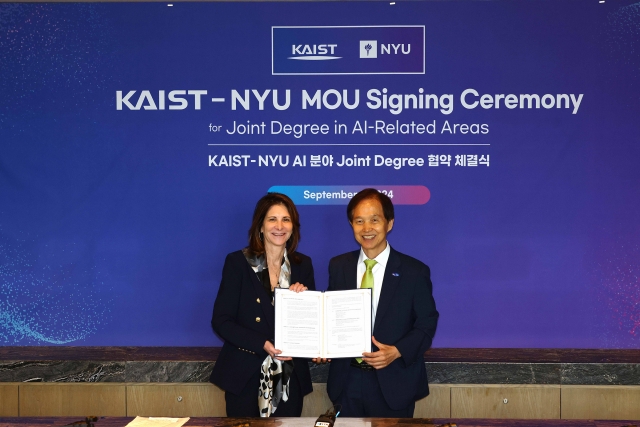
{"x":383,"y":357}
{"x":297,"y":287}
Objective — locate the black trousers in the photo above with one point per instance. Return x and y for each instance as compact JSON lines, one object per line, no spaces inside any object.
{"x":362,"y":397}
{"x":246,"y":403}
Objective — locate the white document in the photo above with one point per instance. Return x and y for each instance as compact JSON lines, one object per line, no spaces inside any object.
{"x":157,"y":422}
{"x":323,"y":324}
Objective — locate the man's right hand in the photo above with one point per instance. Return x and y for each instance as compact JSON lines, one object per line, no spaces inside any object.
{"x":320,"y":361}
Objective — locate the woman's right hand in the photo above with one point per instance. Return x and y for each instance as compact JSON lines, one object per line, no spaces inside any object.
{"x":320,"y":361}
{"x":274,"y":352}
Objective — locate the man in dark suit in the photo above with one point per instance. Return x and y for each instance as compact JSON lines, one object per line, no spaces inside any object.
{"x":387,"y":381}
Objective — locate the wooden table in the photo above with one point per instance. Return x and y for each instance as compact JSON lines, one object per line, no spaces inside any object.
{"x":309,"y":422}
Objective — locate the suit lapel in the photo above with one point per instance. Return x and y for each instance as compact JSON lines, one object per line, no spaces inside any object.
{"x":390,"y":282}
{"x":351,"y":271}
{"x":295,"y":273}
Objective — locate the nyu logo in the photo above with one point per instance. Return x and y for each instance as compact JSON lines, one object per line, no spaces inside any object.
{"x":314,"y":52}
{"x":394,"y":49}
{"x":369,"y":49}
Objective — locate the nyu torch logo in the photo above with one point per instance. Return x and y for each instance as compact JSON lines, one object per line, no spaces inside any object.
{"x":368,"y":49}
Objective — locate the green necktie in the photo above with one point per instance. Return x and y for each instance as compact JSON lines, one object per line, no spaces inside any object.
{"x":367,"y":282}
{"x":367,"y":278}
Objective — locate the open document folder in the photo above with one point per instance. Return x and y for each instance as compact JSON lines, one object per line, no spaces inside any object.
{"x":323,"y":324}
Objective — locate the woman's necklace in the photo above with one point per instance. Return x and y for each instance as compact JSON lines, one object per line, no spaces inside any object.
{"x":276,"y":276}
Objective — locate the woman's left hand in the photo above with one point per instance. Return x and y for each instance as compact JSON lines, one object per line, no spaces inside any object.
{"x":298,"y":287}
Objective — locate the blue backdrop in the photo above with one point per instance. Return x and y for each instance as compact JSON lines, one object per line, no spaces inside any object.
{"x":117,"y":210}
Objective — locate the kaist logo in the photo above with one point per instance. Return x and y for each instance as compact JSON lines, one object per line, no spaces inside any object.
{"x":314,"y":52}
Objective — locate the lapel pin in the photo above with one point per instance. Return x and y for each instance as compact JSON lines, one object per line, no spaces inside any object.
{"x":395,"y":274}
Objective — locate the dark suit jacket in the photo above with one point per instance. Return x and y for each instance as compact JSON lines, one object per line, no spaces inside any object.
{"x":244,"y":317}
{"x":406,"y":317}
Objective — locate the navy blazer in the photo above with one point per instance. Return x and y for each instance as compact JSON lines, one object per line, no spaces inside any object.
{"x":244,"y":317}
{"x":406,"y":317}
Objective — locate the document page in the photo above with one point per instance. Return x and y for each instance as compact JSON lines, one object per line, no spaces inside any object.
{"x":157,"y":422}
{"x":347,"y":323}
{"x":298,"y":323}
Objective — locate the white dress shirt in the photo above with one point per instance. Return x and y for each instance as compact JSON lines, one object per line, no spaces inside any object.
{"x":378,"y":276}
